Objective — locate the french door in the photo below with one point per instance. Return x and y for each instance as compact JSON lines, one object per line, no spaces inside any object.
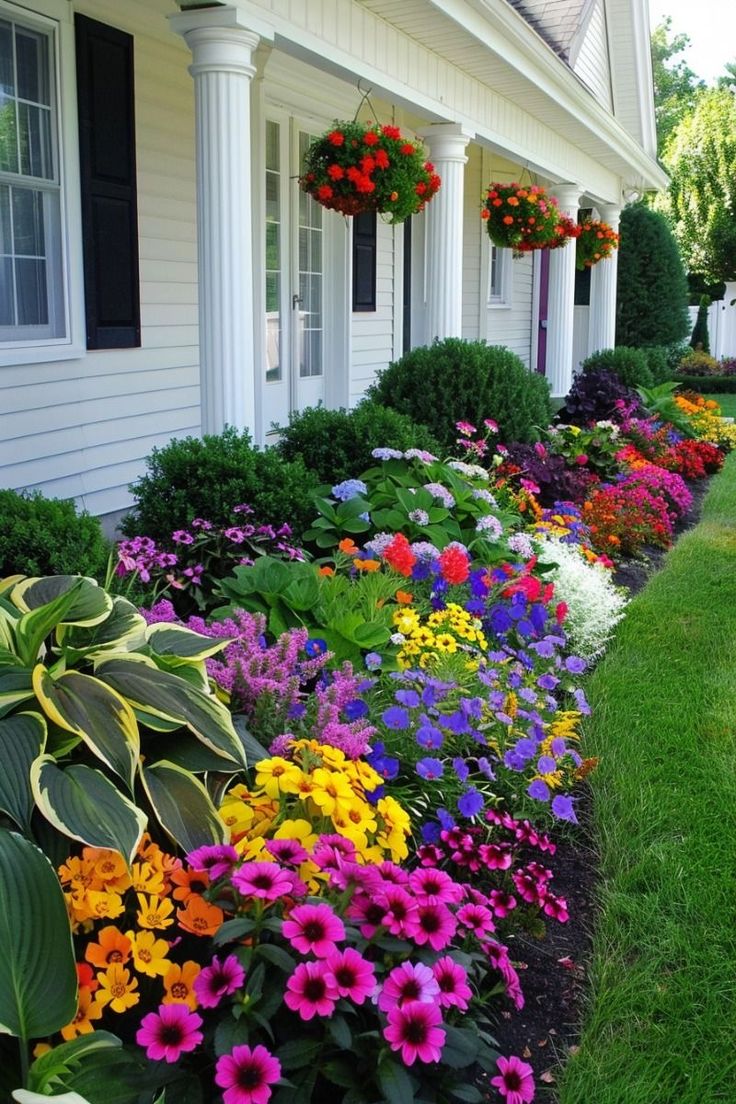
{"x":297,"y":242}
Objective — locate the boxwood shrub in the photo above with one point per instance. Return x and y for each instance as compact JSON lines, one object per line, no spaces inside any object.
{"x":48,"y":536}
{"x":630,"y":365}
{"x":708,"y":385}
{"x":453,"y":380}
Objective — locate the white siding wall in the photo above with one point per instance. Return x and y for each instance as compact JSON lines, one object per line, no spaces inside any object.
{"x":373,"y":333}
{"x":82,"y":427}
{"x":592,"y":62}
{"x":580,"y":336}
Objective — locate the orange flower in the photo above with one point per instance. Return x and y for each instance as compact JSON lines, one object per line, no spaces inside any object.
{"x":112,"y":946}
{"x":103,"y":906}
{"x":188,"y":882}
{"x":199,"y":917}
{"x":366,"y":565}
{"x":179,"y":984}
{"x":508,"y":220}
{"x":326,"y":570}
{"x":512,"y":201}
{"x":110,"y":867}
{"x":87,"y":1010}
{"x":348,"y":546}
{"x":404,"y":598}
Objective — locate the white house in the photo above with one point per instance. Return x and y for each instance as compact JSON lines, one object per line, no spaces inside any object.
{"x":162,"y":275}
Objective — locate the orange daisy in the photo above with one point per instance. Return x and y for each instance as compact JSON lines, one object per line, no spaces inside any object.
{"x":179,"y":984}
{"x":199,"y":917}
{"x":112,"y":946}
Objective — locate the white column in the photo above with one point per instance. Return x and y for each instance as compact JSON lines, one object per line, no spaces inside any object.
{"x":603,"y":281}
{"x":447,"y":144}
{"x":561,"y":302}
{"x":222,"y":52}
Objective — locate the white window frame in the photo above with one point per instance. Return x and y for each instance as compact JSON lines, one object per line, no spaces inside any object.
{"x":501,"y":294}
{"x":56,"y":18}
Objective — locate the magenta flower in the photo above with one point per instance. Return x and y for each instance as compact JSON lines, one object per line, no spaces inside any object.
{"x":262,"y":879}
{"x":501,"y":903}
{"x":218,"y":980}
{"x":217,"y":859}
{"x":351,"y":975}
{"x":476,"y":919}
{"x":310,"y":992}
{"x":314,"y":929}
{"x":169,"y":1033}
{"x":247,"y":1075}
{"x":413,"y":1029}
{"x":515,"y":1081}
{"x":400,"y":910}
{"x":287,"y":851}
{"x":408,"y":983}
{"x":435,"y":887}
{"x":435,"y":925}
{"x":452,"y":980}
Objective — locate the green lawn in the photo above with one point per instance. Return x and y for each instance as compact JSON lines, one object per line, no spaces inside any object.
{"x":661,"y":1024}
{"x":727,"y":404}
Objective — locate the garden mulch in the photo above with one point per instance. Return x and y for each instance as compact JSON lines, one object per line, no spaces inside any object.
{"x":554,"y":972}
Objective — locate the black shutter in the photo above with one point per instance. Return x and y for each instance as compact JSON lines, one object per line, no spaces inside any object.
{"x":364,"y":261}
{"x":582,"y":287}
{"x":109,"y":201}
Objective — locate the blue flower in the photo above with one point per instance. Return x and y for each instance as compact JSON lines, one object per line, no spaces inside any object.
{"x":430,"y":768}
{"x":356,"y":709}
{"x":446,"y":819}
{"x":349,"y":488}
{"x":430,"y":831}
{"x":373,"y":661}
{"x":575,"y":665}
{"x":315,"y":647}
{"x":548,"y":682}
{"x":581,"y":702}
{"x":470,"y":803}
{"x":396,"y":718}
{"x":461,"y":768}
{"x":296,"y":711}
{"x":562,"y":808}
{"x":539,"y":790}
{"x":409,"y":698}
{"x":546,"y":764}
{"x":429,"y":737}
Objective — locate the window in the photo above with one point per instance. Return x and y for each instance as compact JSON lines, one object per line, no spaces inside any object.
{"x":499,"y":277}
{"x":365,"y":241}
{"x":31,"y":265}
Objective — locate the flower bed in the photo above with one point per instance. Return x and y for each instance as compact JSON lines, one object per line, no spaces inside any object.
{"x":300,"y":839}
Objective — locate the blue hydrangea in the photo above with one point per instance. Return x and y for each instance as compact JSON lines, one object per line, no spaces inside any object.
{"x":349,"y":488}
{"x":387,"y":454}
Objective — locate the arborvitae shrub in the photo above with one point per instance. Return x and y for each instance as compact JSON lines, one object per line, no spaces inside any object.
{"x":700,"y":339}
{"x":46,"y":536}
{"x":192,"y":477}
{"x":630,"y":365}
{"x":337,"y":444}
{"x":652,"y":300}
{"x":454,"y":380}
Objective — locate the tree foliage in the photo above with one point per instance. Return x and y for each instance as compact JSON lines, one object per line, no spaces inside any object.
{"x":676,"y":86}
{"x":701,"y":201}
{"x":651,"y":307}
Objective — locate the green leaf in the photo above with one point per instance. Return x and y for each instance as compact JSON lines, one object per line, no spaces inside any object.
{"x":83,"y":804}
{"x":22,"y":739}
{"x":254,"y":751}
{"x":172,"y":698}
{"x":394,"y":1082}
{"x":97,"y":714}
{"x":461,"y":1047}
{"x":342,"y":1035}
{"x":468,"y":1093}
{"x":277,"y":955}
{"x":84,"y":602}
{"x":176,"y":640}
{"x":298,"y":1053}
{"x":230,"y":1033}
{"x":123,"y":631}
{"x":38,"y":978}
{"x":61,"y":1059}
{"x":340,"y":1072}
{"x":233,"y":929}
{"x":371,"y":634}
{"x":16,"y":686}
{"x":183,"y":806}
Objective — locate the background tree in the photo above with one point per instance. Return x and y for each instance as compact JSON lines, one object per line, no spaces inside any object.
{"x":728,"y":79}
{"x":651,"y":307}
{"x":676,"y":86}
{"x":701,"y":200}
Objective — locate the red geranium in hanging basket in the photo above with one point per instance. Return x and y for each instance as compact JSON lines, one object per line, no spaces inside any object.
{"x":596,"y":241}
{"x":565,"y":230}
{"x":366,"y":167}
{"x":521,"y":218}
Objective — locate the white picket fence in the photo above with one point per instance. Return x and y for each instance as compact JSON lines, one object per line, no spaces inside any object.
{"x":721,"y":323}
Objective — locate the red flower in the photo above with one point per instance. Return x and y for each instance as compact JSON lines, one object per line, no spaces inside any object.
{"x":336,"y":137}
{"x":370,"y":138}
{"x":335,"y":172}
{"x":420,"y":188}
{"x":454,"y":564}
{"x":367,"y":164}
{"x":408,"y":149}
{"x":399,"y":556}
{"x":365,"y":185}
{"x":324,"y":192}
{"x":382,"y":159}
{"x":391,"y":131}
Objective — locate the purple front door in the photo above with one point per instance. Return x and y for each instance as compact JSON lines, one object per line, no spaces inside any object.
{"x":543,"y":303}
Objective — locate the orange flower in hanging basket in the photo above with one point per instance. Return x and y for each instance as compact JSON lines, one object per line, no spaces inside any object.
{"x":522,"y":219}
{"x":596,"y":242}
{"x":358,"y":167}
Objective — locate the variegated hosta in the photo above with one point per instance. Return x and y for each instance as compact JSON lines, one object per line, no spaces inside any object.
{"x":102,"y":717}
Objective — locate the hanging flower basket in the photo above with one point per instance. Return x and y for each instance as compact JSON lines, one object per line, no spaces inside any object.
{"x":596,"y":242}
{"x":521,"y":218}
{"x":359,"y":167}
{"x":565,"y":230}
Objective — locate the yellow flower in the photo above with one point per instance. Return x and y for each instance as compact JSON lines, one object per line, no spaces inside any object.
{"x":298,"y":829}
{"x":277,"y":776}
{"x":155,"y":913}
{"x":444,"y":642}
{"x":331,"y":791}
{"x":423,"y":636}
{"x":144,"y":879}
{"x":103,"y":905}
{"x":179,"y":984}
{"x":149,"y":953}
{"x":110,"y":868}
{"x":117,"y":988}
{"x":80,"y":874}
{"x":406,"y":620}
{"x":237,"y":815}
{"x":87,"y":1010}
{"x":332,"y":757}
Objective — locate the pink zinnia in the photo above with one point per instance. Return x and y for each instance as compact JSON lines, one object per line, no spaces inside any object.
{"x":168,"y":1033}
{"x":452,"y":980}
{"x":477,"y":919}
{"x":310,"y":992}
{"x":413,"y":1029}
{"x":435,"y":925}
{"x":351,"y":975}
{"x":247,"y":1075}
{"x":288,"y":851}
{"x":400,"y":910}
{"x":435,"y":886}
{"x":314,"y":929}
{"x":262,"y":879}
{"x":408,"y":983}
{"x":515,"y":1080}
{"x":218,"y":980}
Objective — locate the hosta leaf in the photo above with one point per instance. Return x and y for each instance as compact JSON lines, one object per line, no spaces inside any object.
{"x":123,"y":631}
{"x":90,"y":606}
{"x":16,"y":686}
{"x":183,"y":806}
{"x":83,"y":804}
{"x":173,"y":699}
{"x":175,"y":640}
{"x":38,"y":978}
{"x":61,"y":1059}
{"x":97,"y":714}
{"x":22,"y":739}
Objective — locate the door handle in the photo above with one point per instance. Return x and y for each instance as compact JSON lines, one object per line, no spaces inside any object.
{"x":543,"y":323}
{"x":296,"y":301}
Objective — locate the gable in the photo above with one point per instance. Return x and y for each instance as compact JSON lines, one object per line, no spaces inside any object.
{"x":589,"y":56}
{"x":558,"y":22}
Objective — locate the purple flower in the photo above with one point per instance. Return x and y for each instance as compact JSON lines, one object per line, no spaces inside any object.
{"x":546,"y":764}
{"x":218,"y":980}
{"x":538,"y":789}
{"x":356,"y":709}
{"x":575,"y":665}
{"x":581,"y":702}
{"x":562,"y":808}
{"x":430,"y":768}
{"x":373,"y":661}
{"x":396,"y":718}
{"x":349,"y":488}
{"x":181,"y":536}
{"x":461,"y":768}
{"x":430,"y":737}
{"x":387,"y":454}
{"x":470,"y":803}
{"x":215,"y":859}
{"x":410,"y":698}
{"x":547,"y":682}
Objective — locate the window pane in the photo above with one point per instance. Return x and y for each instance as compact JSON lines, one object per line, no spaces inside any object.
{"x":272,"y":146}
{"x":28,"y":223}
{"x":6,"y":292}
{"x":35,"y":141}
{"x":8,"y":136}
{"x":6,"y":59}
{"x":6,"y":241}
{"x":30,"y":278}
{"x":31,"y":51}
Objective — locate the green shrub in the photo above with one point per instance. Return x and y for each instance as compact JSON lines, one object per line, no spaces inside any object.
{"x":455,"y":380}
{"x":192,"y":477}
{"x":630,"y":365}
{"x":659,"y":362}
{"x":651,"y":307}
{"x":337,"y":444}
{"x":700,"y":339}
{"x":698,"y":362}
{"x":708,"y":385}
{"x":46,"y":536}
